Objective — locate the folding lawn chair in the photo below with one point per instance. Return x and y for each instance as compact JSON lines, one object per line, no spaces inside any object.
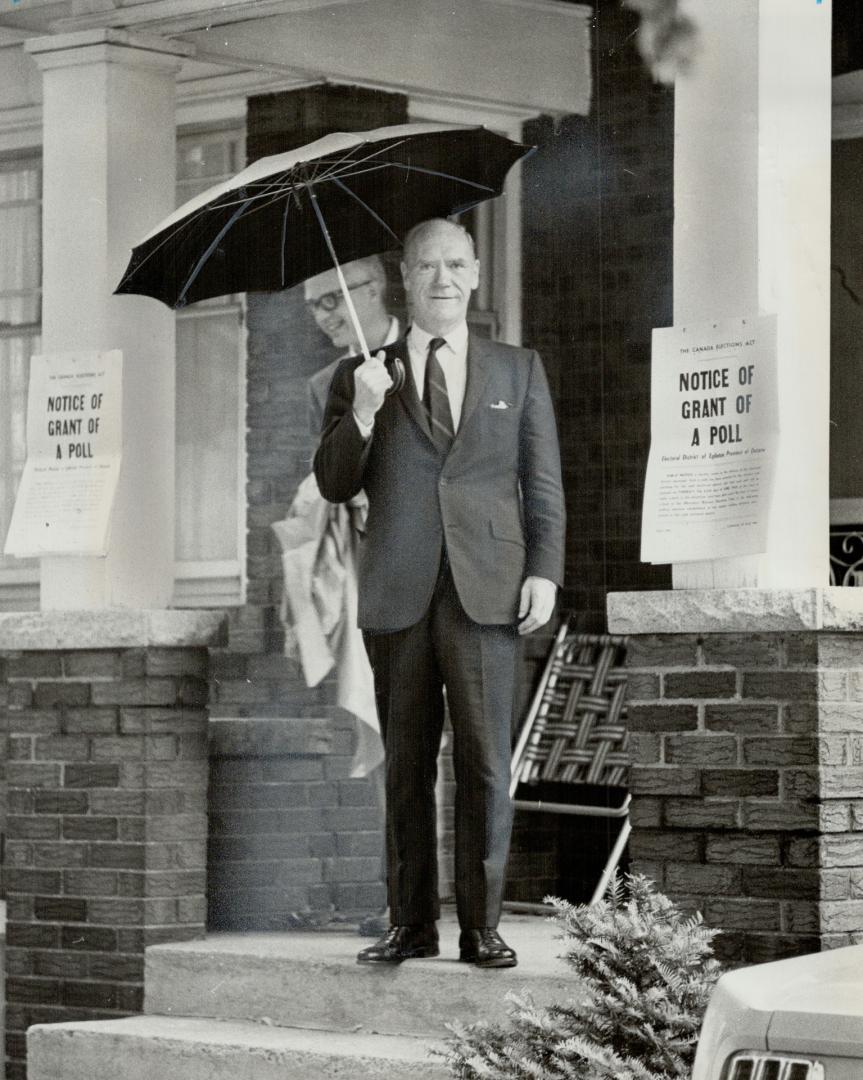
{"x":571,"y":756}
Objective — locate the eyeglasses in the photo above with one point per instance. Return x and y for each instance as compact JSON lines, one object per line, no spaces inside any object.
{"x":329,"y":301}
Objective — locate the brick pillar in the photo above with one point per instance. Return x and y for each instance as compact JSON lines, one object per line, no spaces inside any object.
{"x":746,"y":784}
{"x":596,"y":280}
{"x":270,"y":843}
{"x":107,"y":780}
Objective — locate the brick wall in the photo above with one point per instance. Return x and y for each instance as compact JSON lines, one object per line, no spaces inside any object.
{"x":290,"y":840}
{"x":839,"y":851}
{"x":105,"y":854}
{"x":747,"y":763}
{"x":4,"y":730}
{"x":598,"y":213}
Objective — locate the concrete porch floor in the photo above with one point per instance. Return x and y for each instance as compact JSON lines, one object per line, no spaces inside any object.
{"x":297,"y":1006}
{"x":312,"y":979}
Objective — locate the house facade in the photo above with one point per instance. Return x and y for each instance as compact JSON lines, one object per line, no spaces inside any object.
{"x":167,"y":769}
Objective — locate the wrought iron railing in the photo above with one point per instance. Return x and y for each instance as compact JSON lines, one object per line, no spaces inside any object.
{"x":846,"y":555}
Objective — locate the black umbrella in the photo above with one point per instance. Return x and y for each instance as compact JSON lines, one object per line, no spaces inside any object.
{"x":285,"y":218}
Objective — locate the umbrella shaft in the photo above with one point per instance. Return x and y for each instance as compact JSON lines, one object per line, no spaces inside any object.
{"x":346,"y":293}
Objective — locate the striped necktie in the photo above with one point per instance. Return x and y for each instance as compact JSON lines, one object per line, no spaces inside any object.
{"x":436,"y":399}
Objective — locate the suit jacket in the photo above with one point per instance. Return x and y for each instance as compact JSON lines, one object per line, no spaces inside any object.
{"x":319,"y":383}
{"x":495,"y":499}
{"x":319,"y":391}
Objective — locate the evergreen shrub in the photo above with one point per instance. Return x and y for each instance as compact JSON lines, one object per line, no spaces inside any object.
{"x":642,"y":975}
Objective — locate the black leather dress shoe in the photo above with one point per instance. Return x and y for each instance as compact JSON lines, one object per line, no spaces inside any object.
{"x":485,"y":948}
{"x":402,"y":943}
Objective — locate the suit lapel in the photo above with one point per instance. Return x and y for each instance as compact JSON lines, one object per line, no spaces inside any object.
{"x":409,"y":396}
{"x":479,"y":362}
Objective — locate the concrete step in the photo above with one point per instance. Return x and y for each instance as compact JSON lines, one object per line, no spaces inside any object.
{"x":162,"y":1048}
{"x":313,"y":980}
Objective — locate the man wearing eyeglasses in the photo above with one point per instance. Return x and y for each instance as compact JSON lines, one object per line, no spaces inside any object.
{"x":312,"y":610}
{"x":367,"y":282}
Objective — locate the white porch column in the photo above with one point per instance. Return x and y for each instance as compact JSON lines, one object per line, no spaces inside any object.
{"x":752,"y":234}
{"x":109,"y":176}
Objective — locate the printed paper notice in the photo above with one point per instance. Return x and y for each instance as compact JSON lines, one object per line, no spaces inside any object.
{"x":714,"y":435}
{"x":63,"y":504}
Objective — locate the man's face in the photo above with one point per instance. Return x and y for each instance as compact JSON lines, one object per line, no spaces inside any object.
{"x":441,"y":275}
{"x":325,"y":301}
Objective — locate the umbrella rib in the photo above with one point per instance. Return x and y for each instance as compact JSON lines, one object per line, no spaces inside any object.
{"x":272,"y":196}
{"x":185,"y":223}
{"x":182,"y":224}
{"x":284,"y":239}
{"x":407,"y":168}
{"x":366,"y":206}
{"x":349,"y":165}
{"x":199,"y":265}
{"x":273,"y":193}
{"x":275,"y":190}
{"x":330,"y":177}
{"x":346,"y":162}
{"x":238,"y":200}
{"x":434,"y":172}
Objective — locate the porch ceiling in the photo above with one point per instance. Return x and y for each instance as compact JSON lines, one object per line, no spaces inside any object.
{"x":531,"y":57}
{"x":521,"y":56}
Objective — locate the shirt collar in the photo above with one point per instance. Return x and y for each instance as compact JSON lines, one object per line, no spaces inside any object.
{"x":392,"y":336}
{"x":456,"y":339}
{"x":393,"y":332}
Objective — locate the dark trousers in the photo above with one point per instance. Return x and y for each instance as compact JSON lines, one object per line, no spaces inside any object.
{"x":476,"y":666}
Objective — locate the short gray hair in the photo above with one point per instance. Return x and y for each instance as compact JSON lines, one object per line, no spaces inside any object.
{"x":373,"y":266}
{"x":418,"y":233}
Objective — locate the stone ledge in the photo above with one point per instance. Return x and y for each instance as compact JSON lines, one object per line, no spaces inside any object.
{"x":253,"y":736}
{"x":722,"y":611}
{"x":110,"y":628}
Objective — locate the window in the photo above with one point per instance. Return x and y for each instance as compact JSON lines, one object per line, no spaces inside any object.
{"x":20,"y":318}
{"x":210,"y":399}
{"x":210,"y":390}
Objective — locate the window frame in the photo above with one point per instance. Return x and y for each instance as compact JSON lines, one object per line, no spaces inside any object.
{"x":197,"y":583}
{"x":206,"y":583}
{"x":221,"y":582}
{"x":19,"y":586}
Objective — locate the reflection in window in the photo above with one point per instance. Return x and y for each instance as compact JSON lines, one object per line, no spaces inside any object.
{"x":208,"y":395}
{"x":209,"y":490}
{"x":20,"y":316}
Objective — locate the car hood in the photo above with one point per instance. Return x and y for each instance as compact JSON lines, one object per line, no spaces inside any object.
{"x":807,"y":1005}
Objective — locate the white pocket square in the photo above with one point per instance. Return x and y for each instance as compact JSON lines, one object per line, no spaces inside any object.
{"x":499,"y":404}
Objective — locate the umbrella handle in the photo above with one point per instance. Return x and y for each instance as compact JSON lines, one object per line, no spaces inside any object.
{"x":397,"y":374}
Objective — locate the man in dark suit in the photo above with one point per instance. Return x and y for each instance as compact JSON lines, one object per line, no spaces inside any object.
{"x":367,"y":282}
{"x":463,"y":552}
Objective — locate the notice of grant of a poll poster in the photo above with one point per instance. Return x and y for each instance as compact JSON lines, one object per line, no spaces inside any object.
{"x":63,"y":503}
{"x":714,"y":434}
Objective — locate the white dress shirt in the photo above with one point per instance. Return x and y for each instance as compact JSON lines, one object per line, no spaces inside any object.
{"x":452,"y":357}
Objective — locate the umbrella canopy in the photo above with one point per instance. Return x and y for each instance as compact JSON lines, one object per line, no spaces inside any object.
{"x":264,"y":229}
